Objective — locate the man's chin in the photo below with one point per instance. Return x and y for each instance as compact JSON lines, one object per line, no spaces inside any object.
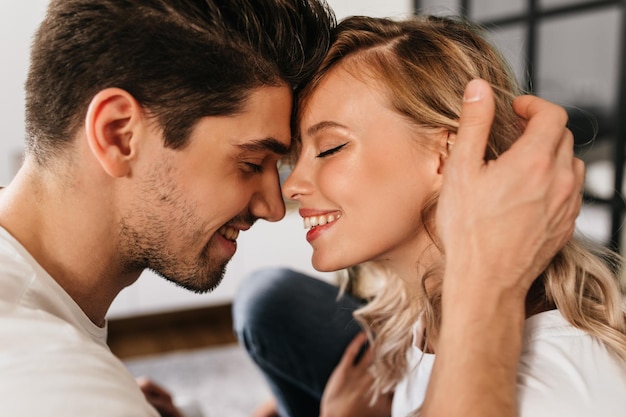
{"x":199,"y":283}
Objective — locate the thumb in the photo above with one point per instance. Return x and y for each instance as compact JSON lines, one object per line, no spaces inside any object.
{"x":474,"y":126}
{"x":353,"y":350}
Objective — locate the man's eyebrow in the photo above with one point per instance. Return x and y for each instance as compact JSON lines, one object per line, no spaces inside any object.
{"x":323,"y":125}
{"x":264,"y":145}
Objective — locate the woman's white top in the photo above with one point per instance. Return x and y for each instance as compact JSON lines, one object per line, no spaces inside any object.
{"x":563,"y":371}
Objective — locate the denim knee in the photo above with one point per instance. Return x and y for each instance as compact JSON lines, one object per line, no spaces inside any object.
{"x":258,"y":301}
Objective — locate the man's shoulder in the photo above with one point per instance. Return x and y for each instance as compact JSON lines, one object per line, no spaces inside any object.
{"x":50,"y":368}
{"x":15,"y":270}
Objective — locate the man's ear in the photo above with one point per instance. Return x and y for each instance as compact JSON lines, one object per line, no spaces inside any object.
{"x":449,"y":138}
{"x":112,"y":125}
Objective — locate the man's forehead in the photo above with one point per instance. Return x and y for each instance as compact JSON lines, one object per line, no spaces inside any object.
{"x":263,"y":124}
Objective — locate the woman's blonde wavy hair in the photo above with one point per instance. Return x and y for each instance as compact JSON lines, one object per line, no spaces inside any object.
{"x":423,"y":65}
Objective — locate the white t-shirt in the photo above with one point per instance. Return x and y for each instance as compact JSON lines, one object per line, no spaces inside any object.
{"x":53,"y":360}
{"x":563,"y":371}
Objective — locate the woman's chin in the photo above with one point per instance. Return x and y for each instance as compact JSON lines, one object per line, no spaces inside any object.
{"x":325,"y":265}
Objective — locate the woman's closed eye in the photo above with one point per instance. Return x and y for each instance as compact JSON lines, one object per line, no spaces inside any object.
{"x":331,"y":151}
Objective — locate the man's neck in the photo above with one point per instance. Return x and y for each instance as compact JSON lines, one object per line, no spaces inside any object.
{"x":69,"y":236}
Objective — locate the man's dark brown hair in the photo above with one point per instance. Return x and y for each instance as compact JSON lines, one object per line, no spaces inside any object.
{"x":181,"y":59}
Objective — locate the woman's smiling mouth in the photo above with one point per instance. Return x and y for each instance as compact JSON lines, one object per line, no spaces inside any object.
{"x":320,"y":220}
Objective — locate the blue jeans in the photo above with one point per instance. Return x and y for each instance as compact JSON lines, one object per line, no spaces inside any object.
{"x":296,"y":330}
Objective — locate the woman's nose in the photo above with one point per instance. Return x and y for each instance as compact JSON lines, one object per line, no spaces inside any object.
{"x":297,"y":184}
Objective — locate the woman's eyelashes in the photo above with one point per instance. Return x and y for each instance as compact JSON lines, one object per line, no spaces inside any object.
{"x":331,"y":151}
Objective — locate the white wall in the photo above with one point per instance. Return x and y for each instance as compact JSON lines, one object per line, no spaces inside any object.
{"x":18,"y":21}
{"x":387,"y":8}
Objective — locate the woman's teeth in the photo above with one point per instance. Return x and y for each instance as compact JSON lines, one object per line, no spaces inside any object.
{"x":315,"y":221}
{"x":229,"y":233}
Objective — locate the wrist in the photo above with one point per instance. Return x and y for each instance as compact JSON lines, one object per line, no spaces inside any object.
{"x":473,"y":283}
{"x":486,"y":323}
{"x":479,"y":307}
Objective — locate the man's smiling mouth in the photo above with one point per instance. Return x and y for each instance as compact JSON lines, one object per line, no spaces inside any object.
{"x":229,"y":233}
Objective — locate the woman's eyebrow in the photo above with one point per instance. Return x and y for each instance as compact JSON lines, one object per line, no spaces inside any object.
{"x":264,"y":145}
{"x":323,"y":125}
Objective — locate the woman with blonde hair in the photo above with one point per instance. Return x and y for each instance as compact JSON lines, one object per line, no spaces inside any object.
{"x":377,"y":124}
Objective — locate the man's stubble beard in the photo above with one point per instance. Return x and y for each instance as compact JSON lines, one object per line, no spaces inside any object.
{"x":148,"y":250}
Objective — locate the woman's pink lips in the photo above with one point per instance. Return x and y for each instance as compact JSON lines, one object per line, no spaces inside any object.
{"x":314,"y":232}
{"x":308,"y":212}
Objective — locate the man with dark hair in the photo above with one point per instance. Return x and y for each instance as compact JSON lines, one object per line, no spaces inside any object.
{"x":153,"y":132}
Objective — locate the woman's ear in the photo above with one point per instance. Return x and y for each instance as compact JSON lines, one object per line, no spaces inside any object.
{"x":112,"y":125}
{"x":449,"y":139}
